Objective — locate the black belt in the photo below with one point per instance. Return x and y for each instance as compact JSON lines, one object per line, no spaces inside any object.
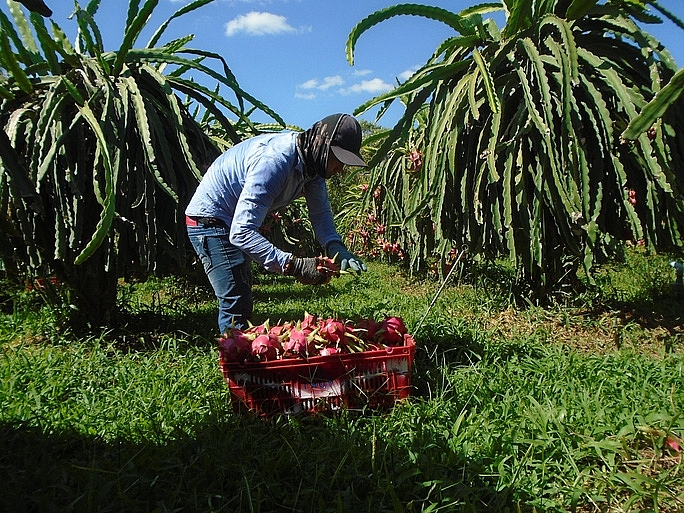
{"x":203,"y":221}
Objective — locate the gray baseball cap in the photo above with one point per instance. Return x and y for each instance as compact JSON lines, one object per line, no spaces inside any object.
{"x":346,"y":141}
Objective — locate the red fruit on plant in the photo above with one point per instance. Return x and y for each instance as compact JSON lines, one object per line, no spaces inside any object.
{"x":416,"y":158}
{"x":632,"y":197}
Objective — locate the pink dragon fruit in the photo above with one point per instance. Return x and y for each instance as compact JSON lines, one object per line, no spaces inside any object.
{"x":299,"y":343}
{"x":333,"y":331}
{"x":281,"y":330}
{"x":235,"y":346}
{"x":391,"y":331}
{"x":367,"y":329}
{"x":266,"y":347}
{"x":258,"y":330}
{"x":309,"y":323}
{"x":328,"y":351}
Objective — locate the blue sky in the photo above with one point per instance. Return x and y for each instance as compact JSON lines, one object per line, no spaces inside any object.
{"x":290,"y":54}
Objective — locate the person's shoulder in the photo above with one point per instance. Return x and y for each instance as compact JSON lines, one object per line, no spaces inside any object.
{"x":282,"y":146}
{"x":282,"y":139}
{"x":280,"y":142}
{"x":272,"y":155}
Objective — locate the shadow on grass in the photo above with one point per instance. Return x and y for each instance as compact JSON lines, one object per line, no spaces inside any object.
{"x":662,"y":310}
{"x":658,"y":316}
{"x":239,"y":464}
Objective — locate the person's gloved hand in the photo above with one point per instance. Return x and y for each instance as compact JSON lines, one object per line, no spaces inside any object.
{"x":305,"y":270}
{"x":345,"y":258}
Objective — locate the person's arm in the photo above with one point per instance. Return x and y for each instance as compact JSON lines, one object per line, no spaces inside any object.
{"x":262,"y":183}
{"x":320,"y":214}
{"x":321,"y":217}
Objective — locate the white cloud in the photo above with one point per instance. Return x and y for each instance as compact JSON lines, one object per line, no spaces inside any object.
{"x":309,"y":84}
{"x":362,"y":72}
{"x":259,"y":24}
{"x":310,"y":89}
{"x":374,"y":86}
{"x":305,"y":96}
{"x":314,"y":84}
{"x":405,"y":75}
{"x":329,"y":82}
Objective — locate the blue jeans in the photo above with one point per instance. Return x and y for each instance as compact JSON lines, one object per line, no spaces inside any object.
{"x":229,"y":273}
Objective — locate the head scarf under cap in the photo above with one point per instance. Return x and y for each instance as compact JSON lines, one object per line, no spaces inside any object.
{"x":314,"y":145}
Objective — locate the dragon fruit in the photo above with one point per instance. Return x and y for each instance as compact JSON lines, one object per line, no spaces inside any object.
{"x":333,"y":331}
{"x":280,"y":330}
{"x":309,"y":323}
{"x":312,"y":337}
{"x":235,"y":346}
{"x":299,"y":343}
{"x":266,"y":347}
{"x":258,"y":330}
{"x":391,"y":331}
{"x":328,"y":351}
{"x":367,"y":329}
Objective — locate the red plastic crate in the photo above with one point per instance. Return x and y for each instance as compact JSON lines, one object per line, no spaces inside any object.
{"x":375,"y":379}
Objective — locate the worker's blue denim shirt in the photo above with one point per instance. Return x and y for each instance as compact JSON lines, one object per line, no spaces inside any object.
{"x":252,"y":179}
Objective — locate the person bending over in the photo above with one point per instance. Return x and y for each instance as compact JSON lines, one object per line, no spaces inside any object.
{"x":254,"y":178}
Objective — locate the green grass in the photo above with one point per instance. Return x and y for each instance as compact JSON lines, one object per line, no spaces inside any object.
{"x":559,"y":409}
